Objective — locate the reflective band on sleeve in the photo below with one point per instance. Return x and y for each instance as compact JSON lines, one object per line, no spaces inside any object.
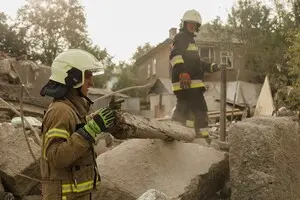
{"x":176,"y":60}
{"x":80,"y":187}
{"x":54,"y":132}
{"x":194,"y":84}
{"x":192,"y":47}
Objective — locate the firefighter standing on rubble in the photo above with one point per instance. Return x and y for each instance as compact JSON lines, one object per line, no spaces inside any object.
{"x":187,"y":75}
{"x":68,"y":166}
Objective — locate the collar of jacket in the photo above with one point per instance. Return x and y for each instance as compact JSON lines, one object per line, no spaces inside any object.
{"x":78,"y":103}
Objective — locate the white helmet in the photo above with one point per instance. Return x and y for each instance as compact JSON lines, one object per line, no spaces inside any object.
{"x":71,"y":65}
{"x":191,"y":16}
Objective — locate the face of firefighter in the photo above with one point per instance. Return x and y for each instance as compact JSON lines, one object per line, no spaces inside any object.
{"x":191,"y":27}
{"x":88,"y":82}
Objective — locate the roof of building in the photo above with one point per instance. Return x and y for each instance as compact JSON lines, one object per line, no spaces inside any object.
{"x":204,"y":36}
{"x":161,"y":86}
{"x":167,"y":42}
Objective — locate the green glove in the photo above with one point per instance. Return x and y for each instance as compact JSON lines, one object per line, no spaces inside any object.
{"x":103,"y":119}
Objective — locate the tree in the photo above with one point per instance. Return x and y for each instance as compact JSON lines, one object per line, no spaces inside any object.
{"x":52,"y":26}
{"x":125,"y":71}
{"x":55,"y":25}
{"x":141,"y":50}
{"x":11,"y":41}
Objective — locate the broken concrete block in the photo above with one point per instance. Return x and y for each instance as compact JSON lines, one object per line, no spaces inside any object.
{"x":16,"y":159}
{"x":153,"y":195}
{"x":179,"y":170}
{"x":265,"y":159}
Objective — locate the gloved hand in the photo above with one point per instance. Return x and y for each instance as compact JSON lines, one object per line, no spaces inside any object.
{"x":115,"y":104}
{"x":184,"y":80}
{"x":214,"y":67}
{"x":103,"y":119}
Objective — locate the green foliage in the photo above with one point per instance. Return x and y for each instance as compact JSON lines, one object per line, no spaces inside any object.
{"x":141,"y":50}
{"x":125,"y":72}
{"x":52,"y":26}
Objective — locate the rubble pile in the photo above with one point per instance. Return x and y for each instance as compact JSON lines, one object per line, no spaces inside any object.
{"x":264,"y":159}
{"x":17,"y":71}
{"x":16,"y":161}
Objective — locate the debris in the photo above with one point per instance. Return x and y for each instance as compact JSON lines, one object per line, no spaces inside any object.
{"x":9,"y":196}
{"x":153,"y":195}
{"x":16,"y":159}
{"x":179,"y":170}
{"x":16,"y":122}
{"x":15,"y":111}
{"x":133,"y":126}
{"x":264,"y":159}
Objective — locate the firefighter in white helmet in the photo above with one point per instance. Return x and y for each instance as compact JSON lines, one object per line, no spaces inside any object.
{"x":187,"y":75}
{"x":68,"y":166}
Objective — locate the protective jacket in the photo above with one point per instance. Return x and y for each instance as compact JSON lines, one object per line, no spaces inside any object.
{"x":68,"y":165}
{"x":184,"y":58}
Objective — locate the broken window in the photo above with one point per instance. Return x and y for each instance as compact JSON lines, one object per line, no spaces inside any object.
{"x":227,"y":58}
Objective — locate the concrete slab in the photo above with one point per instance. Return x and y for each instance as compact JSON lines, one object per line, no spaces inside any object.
{"x":179,"y":170}
{"x":16,"y":159}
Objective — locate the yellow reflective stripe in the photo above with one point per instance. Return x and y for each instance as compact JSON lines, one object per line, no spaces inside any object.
{"x":192,"y":47}
{"x":189,"y":123}
{"x":204,"y":133}
{"x":81,"y":187}
{"x":194,"y":84}
{"x":58,"y":131}
{"x":176,"y":60}
{"x":54,"y":132}
{"x":63,"y":198}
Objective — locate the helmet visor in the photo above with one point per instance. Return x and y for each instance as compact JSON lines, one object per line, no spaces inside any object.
{"x":93,"y":72}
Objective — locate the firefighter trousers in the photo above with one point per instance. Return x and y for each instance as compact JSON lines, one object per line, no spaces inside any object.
{"x":191,"y":107}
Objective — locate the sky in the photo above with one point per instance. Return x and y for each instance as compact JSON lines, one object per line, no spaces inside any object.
{"x":121,"y":26}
